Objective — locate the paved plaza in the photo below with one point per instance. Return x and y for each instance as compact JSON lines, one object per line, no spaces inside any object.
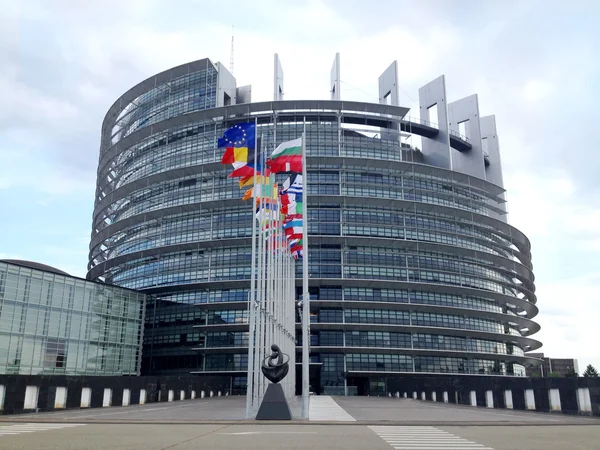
{"x":324,"y":409}
{"x":336,"y":423}
{"x":296,"y":437}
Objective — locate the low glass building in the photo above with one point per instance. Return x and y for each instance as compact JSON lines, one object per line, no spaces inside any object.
{"x":52,"y":323}
{"x":413,"y":267}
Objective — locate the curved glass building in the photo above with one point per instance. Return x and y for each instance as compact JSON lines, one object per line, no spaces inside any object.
{"x":413,"y":266}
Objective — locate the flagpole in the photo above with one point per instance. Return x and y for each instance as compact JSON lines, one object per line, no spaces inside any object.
{"x":305,"y":295}
{"x":252,"y":298}
{"x":261,"y":288}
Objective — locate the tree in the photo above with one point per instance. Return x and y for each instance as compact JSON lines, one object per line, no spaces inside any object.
{"x":590,"y":372}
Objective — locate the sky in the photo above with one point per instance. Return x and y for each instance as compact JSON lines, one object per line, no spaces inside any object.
{"x":534,"y":65}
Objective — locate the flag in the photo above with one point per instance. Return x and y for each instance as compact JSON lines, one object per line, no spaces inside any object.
{"x":295,"y":245}
{"x":246,"y":181}
{"x":291,"y":217}
{"x":293,"y":185}
{"x":298,"y":254}
{"x":287,"y":157}
{"x":248,"y":194}
{"x":287,"y":199}
{"x":293,"y":226}
{"x":264,"y":214}
{"x":291,"y":208}
{"x":256,"y":191}
{"x":291,"y":204}
{"x":260,"y":179}
{"x":237,"y":141}
{"x":245,"y":169}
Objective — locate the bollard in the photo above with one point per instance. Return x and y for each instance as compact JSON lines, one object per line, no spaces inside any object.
{"x":434,"y":396}
{"x":529,"y":400}
{"x":2,"y":395}
{"x":584,"y":402}
{"x":181,"y":395}
{"x":202,"y":394}
{"x":414,"y":395}
{"x":193,"y":396}
{"x":508,"y":400}
{"x":107,"y":398}
{"x":31,"y":397}
{"x":126,"y":397}
{"x":473,"y":396}
{"x":219,"y":394}
{"x":171,"y":396}
{"x":60,"y":398}
{"x":142,"y":396}
{"x":489,"y":399}
{"x":405,"y":395}
{"x":554,"y":399}
{"x":397,"y":394}
{"x":445,"y":396}
{"x":212,"y":393}
{"x":423,"y":396}
{"x":86,"y":397}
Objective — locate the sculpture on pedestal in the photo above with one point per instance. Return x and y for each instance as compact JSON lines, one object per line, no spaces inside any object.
{"x":274,"y":405}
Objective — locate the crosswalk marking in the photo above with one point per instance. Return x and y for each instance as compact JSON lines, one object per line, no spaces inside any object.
{"x":10,"y":430}
{"x":424,"y":438}
{"x":323,"y":407}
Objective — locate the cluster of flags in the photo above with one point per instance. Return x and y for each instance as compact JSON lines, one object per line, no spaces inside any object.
{"x":273,"y":205}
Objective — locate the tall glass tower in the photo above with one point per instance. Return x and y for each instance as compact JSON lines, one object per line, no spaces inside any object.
{"x":413,"y":267}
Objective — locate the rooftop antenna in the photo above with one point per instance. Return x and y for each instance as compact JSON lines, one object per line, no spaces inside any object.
{"x":231,"y":56}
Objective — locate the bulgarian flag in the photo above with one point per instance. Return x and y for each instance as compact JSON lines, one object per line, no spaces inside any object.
{"x":287,"y":157}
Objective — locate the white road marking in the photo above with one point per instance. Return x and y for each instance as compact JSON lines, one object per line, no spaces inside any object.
{"x":10,"y":430}
{"x":323,"y":407}
{"x":269,"y":432}
{"x":424,"y":438}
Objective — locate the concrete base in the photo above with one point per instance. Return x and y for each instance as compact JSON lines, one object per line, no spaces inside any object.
{"x":274,"y":405}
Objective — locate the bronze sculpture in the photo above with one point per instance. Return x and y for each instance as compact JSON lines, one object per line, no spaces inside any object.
{"x":275,"y":371}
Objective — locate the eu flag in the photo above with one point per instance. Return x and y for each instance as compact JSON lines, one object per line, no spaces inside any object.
{"x":237,"y":141}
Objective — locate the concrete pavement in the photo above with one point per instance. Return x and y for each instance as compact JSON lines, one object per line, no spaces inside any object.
{"x":296,"y":437}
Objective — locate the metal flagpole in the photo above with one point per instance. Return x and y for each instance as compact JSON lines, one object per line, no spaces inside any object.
{"x":263,"y":282}
{"x":305,"y":296}
{"x":259,"y":289}
{"x":292,"y":318}
{"x":269,"y":284}
{"x":252,"y":298}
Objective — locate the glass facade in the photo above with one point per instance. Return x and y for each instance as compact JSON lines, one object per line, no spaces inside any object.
{"x":412,"y":268}
{"x":53,"y":324}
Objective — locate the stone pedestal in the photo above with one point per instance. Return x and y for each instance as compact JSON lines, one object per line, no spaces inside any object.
{"x":274,"y":405}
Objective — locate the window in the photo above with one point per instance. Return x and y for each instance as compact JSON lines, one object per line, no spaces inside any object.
{"x":187,"y":183}
{"x":55,"y":355}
